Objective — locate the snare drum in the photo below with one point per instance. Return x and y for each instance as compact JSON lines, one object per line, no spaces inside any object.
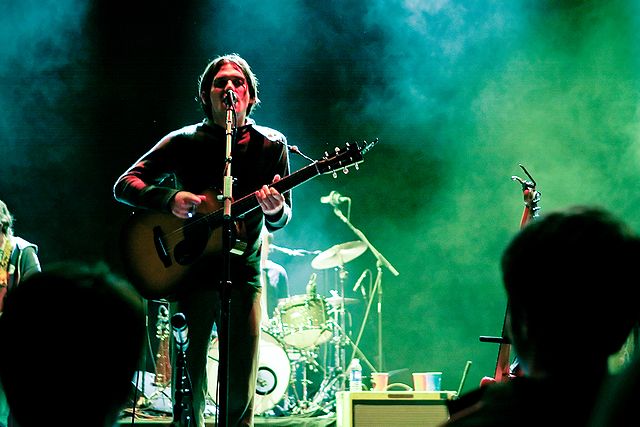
{"x":303,"y":321}
{"x":274,"y":372}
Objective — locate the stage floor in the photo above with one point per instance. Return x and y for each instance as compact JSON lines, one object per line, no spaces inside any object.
{"x":292,"y":421}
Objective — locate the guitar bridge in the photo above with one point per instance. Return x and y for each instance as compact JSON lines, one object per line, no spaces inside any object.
{"x":161,"y":248}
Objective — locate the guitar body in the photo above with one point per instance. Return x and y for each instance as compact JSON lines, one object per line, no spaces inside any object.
{"x":154,"y":263}
{"x":159,"y":248}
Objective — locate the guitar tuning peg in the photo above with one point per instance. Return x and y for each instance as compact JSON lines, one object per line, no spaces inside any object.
{"x":345,"y":170}
{"x":357,"y":167}
{"x":334,"y":174}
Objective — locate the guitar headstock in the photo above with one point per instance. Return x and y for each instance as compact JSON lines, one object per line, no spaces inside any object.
{"x":343,"y":158}
{"x":530,"y":193}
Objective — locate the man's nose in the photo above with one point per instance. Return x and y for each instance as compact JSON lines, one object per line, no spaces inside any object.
{"x":229,"y":85}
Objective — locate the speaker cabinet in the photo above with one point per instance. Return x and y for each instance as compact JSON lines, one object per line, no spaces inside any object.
{"x":392,"y":408}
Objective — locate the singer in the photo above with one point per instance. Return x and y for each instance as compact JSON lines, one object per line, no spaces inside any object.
{"x":195,"y":156}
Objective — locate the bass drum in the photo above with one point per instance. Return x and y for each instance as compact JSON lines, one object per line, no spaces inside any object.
{"x":274,"y":372}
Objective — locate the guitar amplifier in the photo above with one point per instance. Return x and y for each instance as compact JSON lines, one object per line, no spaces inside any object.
{"x":392,"y":408}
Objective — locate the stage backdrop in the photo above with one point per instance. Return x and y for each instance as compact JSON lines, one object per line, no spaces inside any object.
{"x":458,"y":93}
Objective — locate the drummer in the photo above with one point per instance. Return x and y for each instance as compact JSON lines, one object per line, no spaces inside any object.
{"x":275,"y":277}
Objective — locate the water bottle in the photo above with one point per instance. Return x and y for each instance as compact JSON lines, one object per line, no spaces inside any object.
{"x":355,"y":375}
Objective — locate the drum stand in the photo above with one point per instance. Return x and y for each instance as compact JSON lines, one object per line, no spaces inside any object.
{"x":308,"y":363}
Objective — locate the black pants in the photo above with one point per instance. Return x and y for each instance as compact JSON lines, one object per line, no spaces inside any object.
{"x":201,"y":308}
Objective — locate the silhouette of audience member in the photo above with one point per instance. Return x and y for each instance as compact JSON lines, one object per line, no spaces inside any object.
{"x":18,"y":259}
{"x":72,"y":339}
{"x":619,"y":398}
{"x":570,"y":280}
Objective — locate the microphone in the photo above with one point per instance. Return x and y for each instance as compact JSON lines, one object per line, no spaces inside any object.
{"x":180,"y":331}
{"x":334,"y":198}
{"x":230,"y":98}
{"x":359,"y":283}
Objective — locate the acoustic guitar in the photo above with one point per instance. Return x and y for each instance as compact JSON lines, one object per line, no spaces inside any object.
{"x":159,"y":248}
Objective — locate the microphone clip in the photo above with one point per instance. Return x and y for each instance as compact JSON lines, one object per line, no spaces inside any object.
{"x":230,"y":98}
{"x":334,"y":199}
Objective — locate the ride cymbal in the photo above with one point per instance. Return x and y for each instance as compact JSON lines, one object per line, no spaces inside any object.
{"x":338,"y":255}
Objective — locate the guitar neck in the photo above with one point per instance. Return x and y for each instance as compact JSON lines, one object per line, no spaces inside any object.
{"x":250,"y":202}
{"x":342,"y":159}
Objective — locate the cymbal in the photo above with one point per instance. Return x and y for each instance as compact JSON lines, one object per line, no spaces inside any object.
{"x":336,"y":301}
{"x":338,"y":255}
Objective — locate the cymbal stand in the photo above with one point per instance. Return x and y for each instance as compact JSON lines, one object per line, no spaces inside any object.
{"x":340,"y":321}
{"x":356,"y":349}
{"x":336,"y":380}
{"x":333,"y":376}
{"x":381,"y":260}
{"x":301,"y":398}
{"x":308,"y":362}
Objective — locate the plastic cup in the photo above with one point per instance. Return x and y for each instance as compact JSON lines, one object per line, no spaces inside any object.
{"x":379,"y":381}
{"x":427,"y":381}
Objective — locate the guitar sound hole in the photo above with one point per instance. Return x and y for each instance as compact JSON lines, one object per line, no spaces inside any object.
{"x":195,"y":240}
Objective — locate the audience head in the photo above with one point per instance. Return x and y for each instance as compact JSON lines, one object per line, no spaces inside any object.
{"x":6,"y":220}
{"x":570,"y":280}
{"x":74,"y":332}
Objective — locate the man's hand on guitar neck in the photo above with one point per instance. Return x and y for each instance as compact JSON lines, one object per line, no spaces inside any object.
{"x":270,"y":199}
{"x":185,"y":204}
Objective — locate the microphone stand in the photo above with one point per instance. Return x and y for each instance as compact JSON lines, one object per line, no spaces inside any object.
{"x":183,"y":411}
{"x":225,"y":290}
{"x":183,"y":415}
{"x":381,"y":261}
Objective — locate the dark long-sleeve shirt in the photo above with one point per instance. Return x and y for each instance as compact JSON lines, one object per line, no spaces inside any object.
{"x":193,"y":159}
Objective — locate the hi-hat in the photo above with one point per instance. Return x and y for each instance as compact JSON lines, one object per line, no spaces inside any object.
{"x":338,"y":255}
{"x":337,"y":301}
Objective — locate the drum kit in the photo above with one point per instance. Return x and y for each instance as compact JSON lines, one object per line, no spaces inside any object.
{"x":302,"y":346}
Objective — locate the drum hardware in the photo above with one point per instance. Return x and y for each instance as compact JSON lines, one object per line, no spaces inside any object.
{"x":301,"y":320}
{"x":307,"y":362}
{"x":291,"y":252}
{"x":338,"y":255}
{"x":380,"y":262}
{"x":336,"y":300}
{"x":302,"y":348}
{"x":315,"y":373}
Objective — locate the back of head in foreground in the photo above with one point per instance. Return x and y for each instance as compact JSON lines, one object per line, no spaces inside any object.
{"x":570,"y":279}
{"x":73,"y":336}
